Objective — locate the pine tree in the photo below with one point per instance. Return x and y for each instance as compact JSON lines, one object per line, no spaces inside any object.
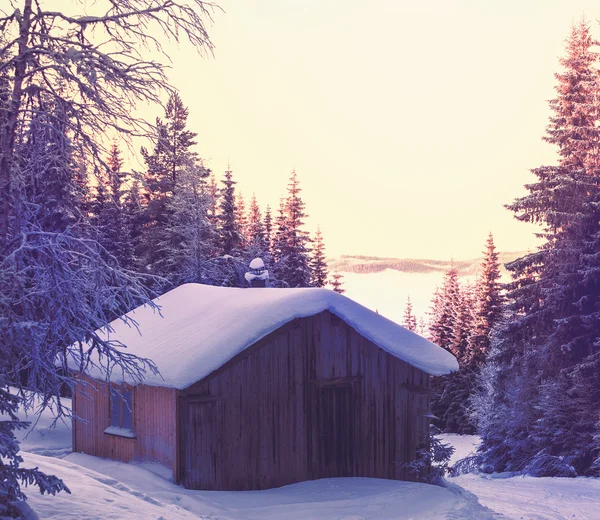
{"x":451,"y":327}
{"x":241,"y":220}
{"x":213,"y":192}
{"x":409,"y":320}
{"x":291,"y":241}
{"x":534,"y":413}
{"x":337,"y":283}
{"x":114,"y":225}
{"x":189,"y":236}
{"x":444,"y":307}
{"x":269,"y":230}
{"x":280,"y":236}
{"x":488,"y":305}
{"x":319,"y":261}
{"x":230,"y":238}
{"x":171,"y":153}
{"x":134,"y":214}
{"x":256,"y":228}
{"x":48,"y":171}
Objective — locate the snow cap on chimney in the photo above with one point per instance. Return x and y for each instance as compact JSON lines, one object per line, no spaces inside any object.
{"x":257,"y":275}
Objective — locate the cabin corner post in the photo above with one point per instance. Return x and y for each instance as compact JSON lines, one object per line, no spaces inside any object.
{"x":74,"y":417}
{"x":178,"y":437}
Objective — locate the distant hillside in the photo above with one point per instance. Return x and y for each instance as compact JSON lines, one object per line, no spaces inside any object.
{"x":373,"y":264}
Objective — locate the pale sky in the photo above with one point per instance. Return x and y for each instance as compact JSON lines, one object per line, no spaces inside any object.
{"x":409,"y":123}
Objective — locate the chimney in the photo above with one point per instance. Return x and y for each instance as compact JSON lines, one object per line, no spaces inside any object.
{"x":257,"y":275}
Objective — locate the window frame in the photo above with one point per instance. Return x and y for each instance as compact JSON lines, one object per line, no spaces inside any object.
{"x":121,"y":424}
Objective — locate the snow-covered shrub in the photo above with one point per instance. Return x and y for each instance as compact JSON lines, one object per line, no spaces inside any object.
{"x":469,"y":464}
{"x":545,"y":465}
{"x":431,"y":464}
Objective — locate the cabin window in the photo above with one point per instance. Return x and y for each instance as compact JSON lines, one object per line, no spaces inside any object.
{"x":121,"y":413}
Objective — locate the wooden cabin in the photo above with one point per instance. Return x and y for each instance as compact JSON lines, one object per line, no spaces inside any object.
{"x":263,"y":387}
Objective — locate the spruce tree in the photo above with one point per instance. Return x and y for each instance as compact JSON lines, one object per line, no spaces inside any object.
{"x":133,"y":212}
{"x":409,"y":319}
{"x":230,"y":238}
{"x":280,"y":235}
{"x":451,"y":327}
{"x":178,"y":140}
{"x":172,"y":152}
{"x":189,"y":239}
{"x":319,"y":261}
{"x":114,"y":225}
{"x":241,"y":221}
{"x":443,"y":311}
{"x":337,"y":283}
{"x":488,"y":305}
{"x":291,"y":246}
{"x":213,"y":193}
{"x":256,"y":228}
{"x":535,"y":414}
{"x":268,"y":226}
{"x":48,"y":170}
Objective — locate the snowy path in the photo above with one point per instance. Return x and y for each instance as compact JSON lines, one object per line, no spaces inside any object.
{"x":104,"y":489}
{"x":528,"y":498}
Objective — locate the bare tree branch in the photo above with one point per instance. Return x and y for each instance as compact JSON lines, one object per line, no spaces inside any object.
{"x":98,"y":66}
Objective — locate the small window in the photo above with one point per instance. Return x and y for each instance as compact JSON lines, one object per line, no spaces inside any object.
{"x":121,"y":413}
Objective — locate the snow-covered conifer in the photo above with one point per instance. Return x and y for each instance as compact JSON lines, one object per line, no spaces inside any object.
{"x":409,"y":320}
{"x":170,"y":156}
{"x":241,"y":220}
{"x":319,"y":261}
{"x":541,"y":363}
{"x":189,"y":239}
{"x":291,"y":245}
{"x":230,"y":238}
{"x":337,"y":282}
{"x":268,"y":226}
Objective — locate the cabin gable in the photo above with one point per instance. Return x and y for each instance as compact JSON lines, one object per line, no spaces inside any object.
{"x":313,"y":399}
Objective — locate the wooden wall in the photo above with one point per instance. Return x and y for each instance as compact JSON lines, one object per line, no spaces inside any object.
{"x":314,"y":399}
{"x":154,"y":422}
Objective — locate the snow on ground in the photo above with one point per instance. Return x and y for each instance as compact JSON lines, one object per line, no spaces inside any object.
{"x":527,"y":498}
{"x":104,"y":489}
{"x":107,"y":489}
{"x":530,"y":498}
{"x":95,"y":496}
{"x":40,"y":438}
{"x":464,"y":445}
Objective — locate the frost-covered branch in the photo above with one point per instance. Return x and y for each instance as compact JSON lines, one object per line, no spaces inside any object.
{"x":57,"y":291}
{"x":98,"y":66}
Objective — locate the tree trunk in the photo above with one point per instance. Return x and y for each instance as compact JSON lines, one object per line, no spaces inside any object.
{"x":9,"y":130}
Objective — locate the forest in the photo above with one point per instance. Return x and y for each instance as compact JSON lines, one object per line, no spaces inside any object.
{"x":84,"y":239}
{"x":529,"y":350}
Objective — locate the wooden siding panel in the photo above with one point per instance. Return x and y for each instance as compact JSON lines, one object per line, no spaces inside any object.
{"x":154,"y":422}
{"x":269,"y":426}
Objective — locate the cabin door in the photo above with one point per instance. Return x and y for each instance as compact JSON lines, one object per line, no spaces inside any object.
{"x":201,"y":444}
{"x":334,"y":446}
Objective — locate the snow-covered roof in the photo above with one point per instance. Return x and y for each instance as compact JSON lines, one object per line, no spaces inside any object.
{"x":202,"y":327}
